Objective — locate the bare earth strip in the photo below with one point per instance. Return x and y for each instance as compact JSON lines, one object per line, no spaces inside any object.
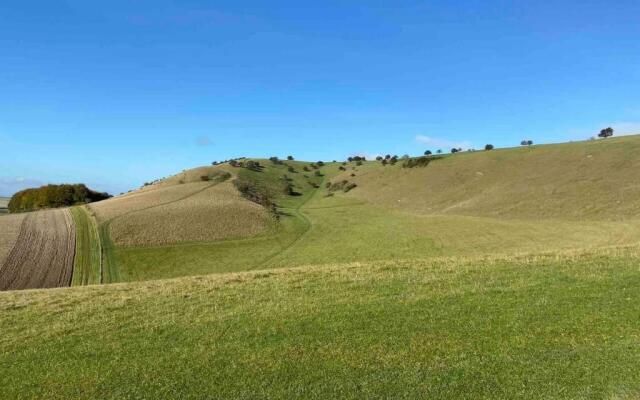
{"x":43,"y":254}
{"x":9,"y":231}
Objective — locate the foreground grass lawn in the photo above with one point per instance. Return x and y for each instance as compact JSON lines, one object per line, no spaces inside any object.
{"x":556,"y":326}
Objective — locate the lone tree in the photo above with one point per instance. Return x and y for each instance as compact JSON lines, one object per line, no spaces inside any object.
{"x":488,"y":147}
{"x":605,"y":133}
{"x":427,"y":153}
{"x":290,"y":158}
{"x":439,"y":151}
{"x":526,"y":143}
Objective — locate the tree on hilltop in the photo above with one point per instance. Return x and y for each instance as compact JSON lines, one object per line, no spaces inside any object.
{"x":488,"y":147}
{"x":605,"y":133}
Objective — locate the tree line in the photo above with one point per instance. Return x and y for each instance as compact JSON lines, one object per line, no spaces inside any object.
{"x":53,"y":196}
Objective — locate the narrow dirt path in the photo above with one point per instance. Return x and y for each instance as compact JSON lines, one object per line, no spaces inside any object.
{"x":43,"y":254}
{"x":300,"y":214}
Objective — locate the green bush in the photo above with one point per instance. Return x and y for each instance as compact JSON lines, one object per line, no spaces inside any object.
{"x":255,"y":193}
{"x":343,"y":185}
{"x":419,"y":162}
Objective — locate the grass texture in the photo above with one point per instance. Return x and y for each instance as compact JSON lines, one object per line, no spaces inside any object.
{"x":561,"y":325}
{"x":87,"y":263}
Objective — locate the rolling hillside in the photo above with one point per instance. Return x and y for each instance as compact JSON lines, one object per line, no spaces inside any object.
{"x":521,"y":200}
{"x":595,"y":180}
{"x":525,"y":200}
{"x":504,"y":274}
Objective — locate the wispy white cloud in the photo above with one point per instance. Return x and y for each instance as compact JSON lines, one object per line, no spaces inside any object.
{"x":445,"y":144}
{"x":10,"y":185}
{"x":620,"y":128}
{"x":625,"y":128}
{"x":203,"y":141}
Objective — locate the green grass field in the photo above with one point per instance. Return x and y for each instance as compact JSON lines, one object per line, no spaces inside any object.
{"x":563,"y":325}
{"x":505,"y":274}
{"x":87,"y":265}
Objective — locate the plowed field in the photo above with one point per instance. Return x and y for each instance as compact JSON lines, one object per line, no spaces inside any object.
{"x":42,"y":256}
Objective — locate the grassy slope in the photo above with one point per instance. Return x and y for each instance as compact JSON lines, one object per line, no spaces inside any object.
{"x":229,"y":255}
{"x":593,"y":180}
{"x":559,"y":326}
{"x":86,"y":264}
{"x":503,"y":201}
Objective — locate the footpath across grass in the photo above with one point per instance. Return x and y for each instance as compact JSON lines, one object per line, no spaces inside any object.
{"x":553,"y":326}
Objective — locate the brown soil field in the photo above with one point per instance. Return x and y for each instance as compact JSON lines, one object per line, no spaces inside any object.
{"x":217,"y":212}
{"x":42,"y":256}
{"x":9,"y":230}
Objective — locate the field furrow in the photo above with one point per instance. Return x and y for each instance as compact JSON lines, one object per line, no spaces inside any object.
{"x":9,"y":231}
{"x":43,"y":254}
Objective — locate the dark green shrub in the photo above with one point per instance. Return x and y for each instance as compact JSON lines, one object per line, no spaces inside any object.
{"x":419,"y":162}
{"x":349,"y":186}
{"x":255,"y":193}
{"x":253,"y":165}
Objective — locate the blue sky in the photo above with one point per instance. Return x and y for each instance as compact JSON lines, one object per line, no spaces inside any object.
{"x":116,"y":93}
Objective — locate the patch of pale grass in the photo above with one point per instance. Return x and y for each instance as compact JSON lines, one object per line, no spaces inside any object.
{"x":582,"y":180}
{"x":218,"y":212}
{"x":148,"y":197}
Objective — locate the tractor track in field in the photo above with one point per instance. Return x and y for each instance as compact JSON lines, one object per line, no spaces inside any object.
{"x":43,"y":254}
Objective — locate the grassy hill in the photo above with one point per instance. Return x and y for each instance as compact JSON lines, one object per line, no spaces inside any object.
{"x":521,"y":200}
{"x":503,"y":274}
{"x":593,"y":180}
